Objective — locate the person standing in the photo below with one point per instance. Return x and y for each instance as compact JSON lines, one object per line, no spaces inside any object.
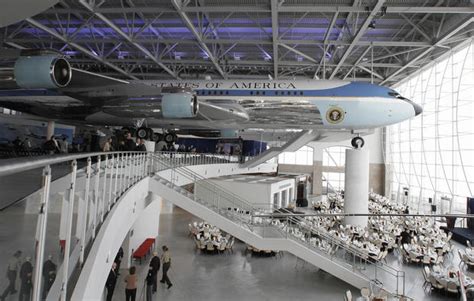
{"x":118,"y":259}
{"x":150,"y":282}
{"x":111,"y":281}
{"x":166,"y":259}
{"x":63,"y":146}
{"x":141,"y":145}
{"x":49,"y":275}
{"x":14,"y":265}
{"x":130,"y":145}
{"x":155,"y":265}
{"x":108,"y":145}
{"x":26,"y":277}
{"x":131,"y":284}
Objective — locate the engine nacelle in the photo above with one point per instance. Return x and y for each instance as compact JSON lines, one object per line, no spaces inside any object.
{"x":179,"y":105}
{"x":42,"y":72}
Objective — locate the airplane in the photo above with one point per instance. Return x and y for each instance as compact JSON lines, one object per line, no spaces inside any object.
{"x":44,"y":84}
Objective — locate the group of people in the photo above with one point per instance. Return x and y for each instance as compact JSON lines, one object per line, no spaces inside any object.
{"x":24,"y":269}
{"x":55,"y":146}
{"x":131,"y":280}
{"x":128,"y":144}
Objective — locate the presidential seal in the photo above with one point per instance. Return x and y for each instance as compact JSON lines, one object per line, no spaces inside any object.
{"x":335,"y":115}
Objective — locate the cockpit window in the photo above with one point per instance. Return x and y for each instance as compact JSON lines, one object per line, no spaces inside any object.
{"x":397,"y":95}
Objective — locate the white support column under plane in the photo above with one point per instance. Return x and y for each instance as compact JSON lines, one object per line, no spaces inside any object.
{"x":356,"y":188}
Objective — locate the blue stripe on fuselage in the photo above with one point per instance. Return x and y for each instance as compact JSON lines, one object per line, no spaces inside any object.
{"x":354,"y":89}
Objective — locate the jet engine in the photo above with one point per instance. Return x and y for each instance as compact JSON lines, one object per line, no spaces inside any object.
{"x":42,"y":72}
{"x":179,"y":105}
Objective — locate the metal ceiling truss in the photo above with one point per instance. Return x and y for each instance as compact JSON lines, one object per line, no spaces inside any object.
{"x":370,"y":40}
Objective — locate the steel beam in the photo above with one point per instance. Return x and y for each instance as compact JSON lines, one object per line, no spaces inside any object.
{"x":357,"y":62}
{"x":265,"y":9}
{"x":299,"y":53}
{"x":446,"y":36}
{"x":239,"y":41}
{"x":189,"y":24}
{"x":357,"y":37}
{"x":78,"y":47}
{"x":274,"y":10}
{"x":417,"y":28}
{"x":129,"y":39}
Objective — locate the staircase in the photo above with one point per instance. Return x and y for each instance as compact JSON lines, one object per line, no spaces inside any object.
{"x":298,"y":141}
{"x":292,"y":234}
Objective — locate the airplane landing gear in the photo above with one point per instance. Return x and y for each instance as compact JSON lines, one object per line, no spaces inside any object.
{"x":145,"y":133}
{"x":357,"y":142}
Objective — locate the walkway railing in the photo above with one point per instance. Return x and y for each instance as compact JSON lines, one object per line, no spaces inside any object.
{"x":99,"y":185}
{"x":104,"y":179}
{"x":233,"y":207}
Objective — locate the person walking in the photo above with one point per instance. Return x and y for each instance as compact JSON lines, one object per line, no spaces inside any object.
{"x":131,"y":284}
{"x":111,"y":281}
{"x":26,"y":277}
{"x":166,"y":259}
{"x":14,"y":265}
{"x":155,"y":265}
{"x":49,"y":275}
{"x":150,"y":282}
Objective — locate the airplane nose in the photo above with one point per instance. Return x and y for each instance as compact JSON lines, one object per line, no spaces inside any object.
{"x":418,"y":108}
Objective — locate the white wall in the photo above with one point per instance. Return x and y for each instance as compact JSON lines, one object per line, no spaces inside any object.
{"x":254,"y":193}
{"x":111,"y":235}
{"x":123,"y":217}
{"x":146,"y":226}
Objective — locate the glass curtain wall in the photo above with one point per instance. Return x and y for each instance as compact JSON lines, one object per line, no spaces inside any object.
{"x":334,"y":156}
{"x":432,"y":155}
{"x":303,"y":156}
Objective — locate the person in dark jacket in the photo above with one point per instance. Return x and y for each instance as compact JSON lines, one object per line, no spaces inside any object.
{"x":26,"y":277}
{"x":118,"y":260}
{"x":130,"y":145}
{"x":141,"y":145}
{"x":49,"y":275}
{"x":155,"y":265}
{"x":150,"y":282}
{"x":111,"y":281}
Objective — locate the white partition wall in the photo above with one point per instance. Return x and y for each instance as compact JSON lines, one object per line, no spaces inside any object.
{"x":356,"y":192}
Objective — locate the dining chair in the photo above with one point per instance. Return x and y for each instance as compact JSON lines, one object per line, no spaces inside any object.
{"x":426,"y":273}
{"x":452,"y":287}
{"x":434,"y":283}
{"x":365,"y":293}
{"x":348,"y":296}
{"x":426,"y":259}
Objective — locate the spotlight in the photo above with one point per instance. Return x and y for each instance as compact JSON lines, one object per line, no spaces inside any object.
{"x":372,"y":25}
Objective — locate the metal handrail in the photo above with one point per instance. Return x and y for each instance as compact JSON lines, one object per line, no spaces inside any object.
{"x":369,"y":214}
{"x":298,"y":219}
{"x":12,"y":166}
{"x":195,"y":176}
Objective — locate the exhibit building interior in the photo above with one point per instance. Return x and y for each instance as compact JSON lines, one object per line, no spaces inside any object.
{"x":236,"y":150}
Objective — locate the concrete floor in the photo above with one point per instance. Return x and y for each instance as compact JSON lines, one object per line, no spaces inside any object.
{"x":237,"y":276}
